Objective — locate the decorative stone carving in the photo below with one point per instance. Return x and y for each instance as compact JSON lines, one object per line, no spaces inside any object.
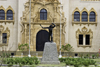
{"x":7,"y":21}
{"x":88,"y":12}
{"x":1,"y":28}
{"x":53,"y":16}
{"x":8,"y":35}
{"x":84,"y":31}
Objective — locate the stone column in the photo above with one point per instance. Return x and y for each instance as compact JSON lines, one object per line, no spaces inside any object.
{"x":34,"y":44}
{"x":31,"y":33}
{"x":58,"y":37}
{"x":25,"y":32}
{"x":54,"y":34}
{"x":34,"y":40}
{"x":31,"y":37}
{"x":55,"y":9}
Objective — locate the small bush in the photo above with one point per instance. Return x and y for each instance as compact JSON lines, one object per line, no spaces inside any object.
{"x":22,"y":61}
{"x":10,"y":64}
{"x":77,"y":61}
{"x":62,"y":59}
{"x":93,"y":56}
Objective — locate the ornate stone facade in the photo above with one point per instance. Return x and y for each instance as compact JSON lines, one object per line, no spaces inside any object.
{"x":53,"y":16}
{"x":18,"y":29}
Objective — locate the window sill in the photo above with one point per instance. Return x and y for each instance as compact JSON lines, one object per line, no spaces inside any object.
{"x":84,"y":46}
{"x":76,"y":22}
{"x":43,"y":21}
{"x":3,"y":44}
{"x":7,"y":21}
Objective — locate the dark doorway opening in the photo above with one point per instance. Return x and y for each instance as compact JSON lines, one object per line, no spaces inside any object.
{"x":41,"y":38}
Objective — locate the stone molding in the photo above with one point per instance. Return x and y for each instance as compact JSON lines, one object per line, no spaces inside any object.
{"x":84,"y":31}
{"x":8,"y":35}
{"x":5,"y":10}
{"x":84,"y":23}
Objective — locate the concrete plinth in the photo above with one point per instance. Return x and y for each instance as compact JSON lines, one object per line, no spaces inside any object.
{"x":50,"y":54}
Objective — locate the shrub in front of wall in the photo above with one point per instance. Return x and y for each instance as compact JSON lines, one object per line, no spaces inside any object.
{"x":93,"y":56}
{"x":10,"y":64}
{"x":61,"y":59}
{"x":23,"y":61}
{"x":78,"y":61}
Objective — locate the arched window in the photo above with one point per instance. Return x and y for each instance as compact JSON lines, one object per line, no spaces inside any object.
{"x":92,"y":16}
{"x":2,"y":15}
{"x":9,"y":15}
{"x":84,"y":16}
{"x":43,"y":14}
{"x":76,"y":16}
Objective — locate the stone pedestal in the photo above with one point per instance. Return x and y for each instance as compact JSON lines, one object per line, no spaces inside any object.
{"x":50,"y":55}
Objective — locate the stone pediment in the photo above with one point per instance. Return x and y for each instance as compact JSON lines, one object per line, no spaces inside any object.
{"x":53,"y":11}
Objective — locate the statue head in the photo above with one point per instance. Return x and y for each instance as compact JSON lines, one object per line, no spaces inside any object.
{"x":52,"y":23}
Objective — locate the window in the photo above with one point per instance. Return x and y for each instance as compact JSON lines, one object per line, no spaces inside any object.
{"x":84,"y":37}
{"x":2,"y":15}
{"x":92,"y":16}
{"x":84,"y":16}
{"x":87,"y":39}
{"x":80,"y":39}
{"x":76,"y":16}
{"x":43,"y":14}
{"x":4,"y":38}
{"x":9,"y":15}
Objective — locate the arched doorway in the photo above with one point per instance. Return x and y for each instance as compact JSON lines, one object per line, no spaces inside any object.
{"x":41,"y":38}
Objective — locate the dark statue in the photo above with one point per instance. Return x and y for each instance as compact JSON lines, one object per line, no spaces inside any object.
{"x":50,"y":31}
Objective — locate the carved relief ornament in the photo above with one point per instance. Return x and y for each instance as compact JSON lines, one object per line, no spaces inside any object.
{"x":84,"y":32}
{"x":5,"y":31}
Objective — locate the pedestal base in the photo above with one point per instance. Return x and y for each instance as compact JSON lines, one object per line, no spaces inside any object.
{"x":50,"y":55}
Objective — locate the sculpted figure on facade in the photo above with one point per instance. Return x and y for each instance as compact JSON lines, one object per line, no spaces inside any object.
{"x":50,"y":31}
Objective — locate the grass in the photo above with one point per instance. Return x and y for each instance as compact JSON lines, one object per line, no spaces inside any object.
{"x":97,"y":60}
{"x":61,"y":64}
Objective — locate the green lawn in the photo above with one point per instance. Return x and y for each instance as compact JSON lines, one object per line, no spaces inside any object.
{"x":61,"y":64}
{"x":97,"y":60}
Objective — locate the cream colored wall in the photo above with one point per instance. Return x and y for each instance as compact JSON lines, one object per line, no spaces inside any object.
{"x":13,"y":28}
{"x":72,"y":29}
{"x":68,"y":8}
{"x":20,"y":13}
{"x":65,"y":4}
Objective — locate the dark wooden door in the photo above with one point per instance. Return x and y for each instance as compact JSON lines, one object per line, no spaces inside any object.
{"x":41,"y":38}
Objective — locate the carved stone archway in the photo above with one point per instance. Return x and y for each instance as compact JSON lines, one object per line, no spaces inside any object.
{"x":41,"y":38}
{"x":53,"y":16}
